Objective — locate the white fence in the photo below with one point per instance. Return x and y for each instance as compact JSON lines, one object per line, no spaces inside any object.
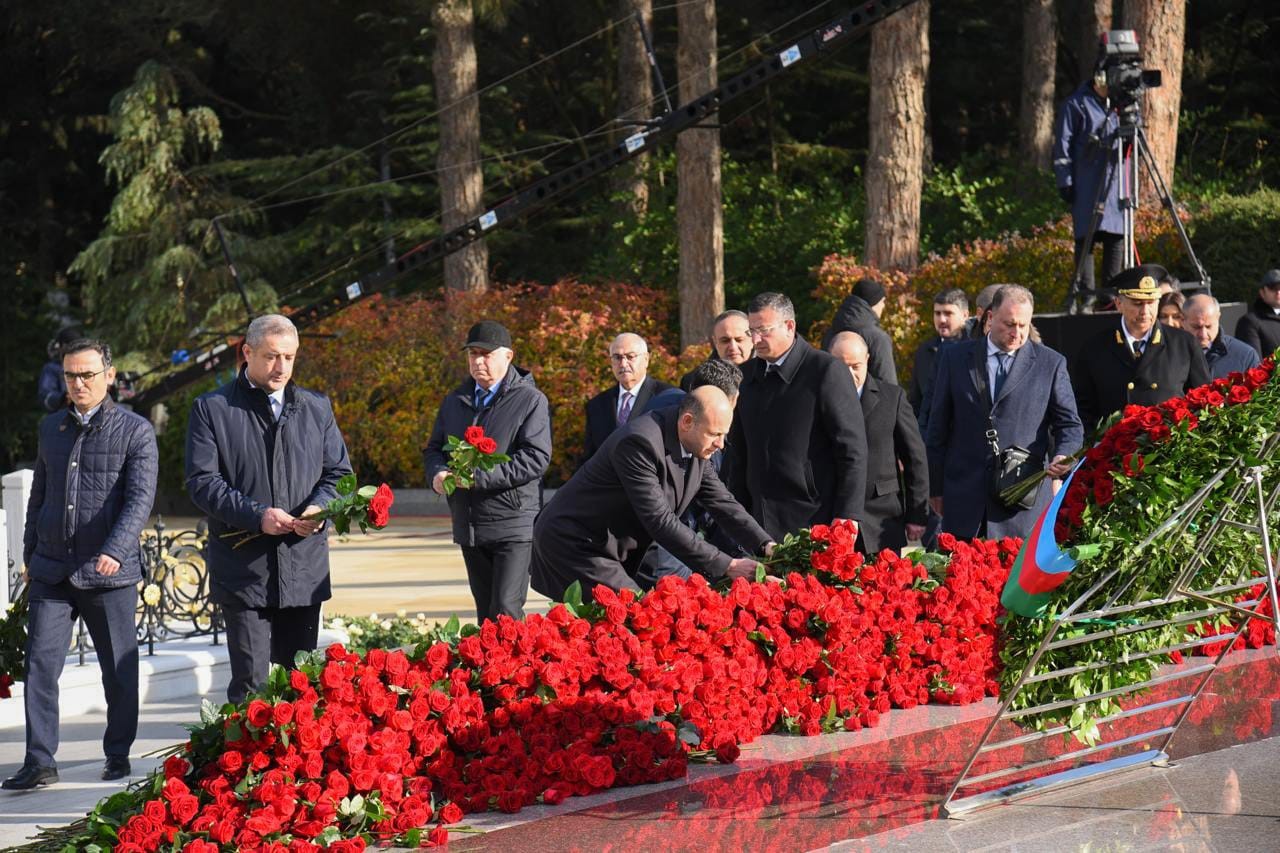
{"x":17,"y":489}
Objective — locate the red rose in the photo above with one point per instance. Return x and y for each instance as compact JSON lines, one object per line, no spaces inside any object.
{"x":1255,"y":378}
{"x":472,"y":434}
{"x":230,"y":761}
{"x":184,"y":808}
{"x":298,"y":680}
{"x":1103,"y":491}
{"x":1151,"y":418}
{"x":486,"y":445}
{"x":176,"y":766}
{"x":380,"y":505}
{"x":451,"y":813}
{"x":259,"y":713}
{"x":282,"y":713}
{"x":1239,"y":394}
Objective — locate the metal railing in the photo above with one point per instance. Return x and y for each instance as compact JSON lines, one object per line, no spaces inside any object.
{"x":173,"y":600}
{"x":1202,"y":591}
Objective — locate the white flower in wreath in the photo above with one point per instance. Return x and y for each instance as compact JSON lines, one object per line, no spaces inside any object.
{"x":151,"y":595}
{"x":355,"y":631}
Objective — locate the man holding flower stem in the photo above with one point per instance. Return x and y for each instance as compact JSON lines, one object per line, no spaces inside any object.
{"x":262,"y":456}
{"x":498,"y":418}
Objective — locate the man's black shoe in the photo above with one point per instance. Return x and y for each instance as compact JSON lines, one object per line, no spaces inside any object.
{"x":115,"y":768}
{"x":30,"y":776}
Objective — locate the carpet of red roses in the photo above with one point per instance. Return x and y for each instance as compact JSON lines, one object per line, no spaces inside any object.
{"x":562,"y":705}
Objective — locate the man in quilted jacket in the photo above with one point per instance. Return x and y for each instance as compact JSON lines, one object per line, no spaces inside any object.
{"x":94,"y":484}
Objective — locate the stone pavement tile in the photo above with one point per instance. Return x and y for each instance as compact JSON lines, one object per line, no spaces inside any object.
{"x":79,"y":788}
{"x":411,"y":565}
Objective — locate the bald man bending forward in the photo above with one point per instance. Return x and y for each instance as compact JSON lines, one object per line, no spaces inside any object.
{"x":632,"y":492}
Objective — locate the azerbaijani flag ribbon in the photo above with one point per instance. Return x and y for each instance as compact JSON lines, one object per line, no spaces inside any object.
{"x":1042,"y":566}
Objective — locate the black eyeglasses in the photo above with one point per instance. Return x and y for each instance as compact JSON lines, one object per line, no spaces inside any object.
{"x":86,"y":378}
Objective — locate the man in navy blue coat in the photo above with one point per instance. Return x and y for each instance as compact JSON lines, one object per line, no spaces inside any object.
{"x":1202,"y":318}
{"x":1024,"y":389}
{"x":91,"y":493}
{"x":1083,"y":159}
{"x":262,"y":456}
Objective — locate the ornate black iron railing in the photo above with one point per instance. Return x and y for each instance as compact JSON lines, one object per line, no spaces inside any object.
{"x":173,"y":602}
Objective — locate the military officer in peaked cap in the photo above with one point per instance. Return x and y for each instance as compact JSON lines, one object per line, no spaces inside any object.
{"x":1139,"y":360}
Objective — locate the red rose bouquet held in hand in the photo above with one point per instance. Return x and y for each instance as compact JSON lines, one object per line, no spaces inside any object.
{"x":13,"y":643}
{"x":366,"y":506}
{"x":474,"y":451}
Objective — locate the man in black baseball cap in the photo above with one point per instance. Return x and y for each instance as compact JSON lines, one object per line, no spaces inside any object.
{"x":488,"y":335}
{"x":1260,"y":328}
{"x":1138,"y":360}
{"x":493,"y":516}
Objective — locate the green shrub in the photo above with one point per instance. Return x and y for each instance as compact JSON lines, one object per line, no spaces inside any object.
{"x":1237,"y":238}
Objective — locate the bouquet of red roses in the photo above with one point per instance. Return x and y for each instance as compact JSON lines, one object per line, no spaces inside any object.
{"x":474,"y":450}
{"x":367,"y":506}
{"x":13,"y":643}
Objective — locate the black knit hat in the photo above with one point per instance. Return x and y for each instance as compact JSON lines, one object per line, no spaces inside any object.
{"x":869,"y":290}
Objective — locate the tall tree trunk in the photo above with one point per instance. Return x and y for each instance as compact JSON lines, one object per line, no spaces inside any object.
{"x":1162,"y":28}
{"x":1095,"y":19}
{"x":1039,"y":59}
{"x":635,"y":90}
{"x":895,"y":155}
{"x":699,"y":218}
{"x":453,"y":65}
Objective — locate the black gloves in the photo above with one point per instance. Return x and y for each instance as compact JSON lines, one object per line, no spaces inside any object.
{"x":1068,"y":194}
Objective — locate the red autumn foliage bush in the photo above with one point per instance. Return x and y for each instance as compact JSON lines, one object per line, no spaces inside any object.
{"x":1041,"y":261}
{"x":391,"y":361}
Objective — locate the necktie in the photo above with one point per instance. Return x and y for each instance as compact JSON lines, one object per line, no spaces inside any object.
{"x":771,"y":368}
{"x":1138,"y":347}
{"x":1002,"y":373}
{"x":625,"y":411}
{"x":481,"y":396}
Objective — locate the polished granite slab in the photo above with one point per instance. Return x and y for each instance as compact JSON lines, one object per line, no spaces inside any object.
{"x":880,"y":788}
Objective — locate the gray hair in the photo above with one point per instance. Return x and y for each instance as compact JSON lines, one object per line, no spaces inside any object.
{"x":985,"y":296}
{"x":777,"y":301}
{"x":644,"y":346}
{"x":1201,"y":302}
{"x":1014,"y":294}
{"x":269,"y":325}
{"x":725,"y":315}
{"x":855,"y":340}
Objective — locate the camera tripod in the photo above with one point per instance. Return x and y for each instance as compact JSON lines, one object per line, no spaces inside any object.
{"x":1128,"y":144}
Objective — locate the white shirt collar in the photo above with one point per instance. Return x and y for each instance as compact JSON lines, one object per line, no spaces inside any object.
{"x":1129,"y":339}
{"x":992,"y":349}
{"x":276,"y":398}
{"x":622,"y":395}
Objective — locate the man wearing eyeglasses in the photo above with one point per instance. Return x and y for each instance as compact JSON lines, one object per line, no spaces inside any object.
{"x":797,"y":452}
{"x":92,"y":491}
{"x":610,"y":409}
{"x":1260,"y":328}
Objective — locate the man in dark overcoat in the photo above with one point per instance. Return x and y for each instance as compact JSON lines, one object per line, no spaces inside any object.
{"x":897,"y":500}
{"x":1138,"y":360}
{"x":91,"y":493}
{"x":633,"y":491}
{"x":614,"y":406}
{"x":797,"y":454}
{"x":262,"y":455}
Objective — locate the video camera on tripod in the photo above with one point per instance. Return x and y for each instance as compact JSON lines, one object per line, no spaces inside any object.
{"x":1122,"y":72}
{"x":1120,"y":80}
